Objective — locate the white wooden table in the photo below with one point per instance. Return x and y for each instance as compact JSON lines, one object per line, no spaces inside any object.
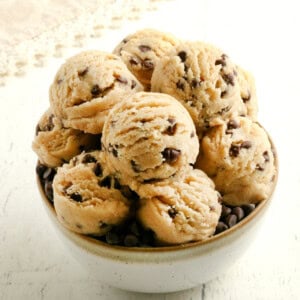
{"x":263,"y":38}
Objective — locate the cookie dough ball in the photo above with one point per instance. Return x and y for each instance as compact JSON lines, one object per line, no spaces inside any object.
{"x":86,"y":199}
{"x":180,"y":211}
{"x":87,"y":86}
{"x":205,"y":81}
{"x":149,"y":136}
{"x":56,"y":145}
{"x":238,"y":156}
{"x":141,"y":51}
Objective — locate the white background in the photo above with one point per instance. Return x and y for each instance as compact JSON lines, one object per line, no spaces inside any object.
{"x":261,"y":36}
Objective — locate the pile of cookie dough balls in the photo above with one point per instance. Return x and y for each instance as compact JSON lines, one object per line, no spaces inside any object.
{"x":161,"y":134}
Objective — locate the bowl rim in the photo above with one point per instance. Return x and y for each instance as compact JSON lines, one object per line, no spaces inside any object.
{"x":169,"y":248}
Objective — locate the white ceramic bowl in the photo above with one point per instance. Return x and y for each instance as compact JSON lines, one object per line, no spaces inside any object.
{"x":161,"y":269}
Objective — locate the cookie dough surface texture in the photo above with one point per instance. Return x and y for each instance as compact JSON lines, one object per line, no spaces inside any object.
{"x":87,"y":86}
{"x":141,"y":51}
{"x":180,"y":211}
{"x":150,"y":136}
{"x":206,"y":82}
{"x":56,"y":145}
{"x":238,"y":156}
{"x":86,"y":199}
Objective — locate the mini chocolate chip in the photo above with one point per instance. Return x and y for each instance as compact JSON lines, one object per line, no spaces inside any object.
{"x":88,"y":158}
{"x":232,"y":124}
{"x":79,"y":226}
{"x":37,"y":129}
{"x":128,"y":193}
{"x":171,"y":155}
{"x":224,"y":56}
{"x":117,"y":184}
{"x":223,"y":93}
{"x":49,"y":190}
{"x":246,"y":144}
{"x":133,"y":61}
{"x":231,"y":220}
{"x":172,"y":211}
{"x":225,"y":211}
{"x":135,"y":167}
{"x":266,"y":156}
{"x":220,"y":62}
{"x":182,"y":55}
{"x":180,"y":84}
{"x":239,"y":212}
{"x":224,"y":110}
{"x":192,"y":134}
{"x":59,"y":81}
{"x":221,"y":227}
{"x":259,"y":167}
{"x":98,"y":170}
{"x":195,"y":83}
{"x":105,"y":182}
{"x":76,"y":197}
{"x":248,"y":208}
{"x":121,"y":79}
{"x":234,"y":150}
{"x":133,"y":84}
{"x":147,"y":64}
{"x":115,"y":152}
{"x":83,"y":72}
{"x":95,"y":91}
{"x":186,"y":68}
{"x":171,"y":129}
{"x":131,"y":240}
{"x":228,"y":78}
{"x":144,"y":48}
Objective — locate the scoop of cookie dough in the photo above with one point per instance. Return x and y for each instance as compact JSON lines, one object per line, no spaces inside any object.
{"x":141,"y":50}
{"x":55,"y":144}
{"x":206,"y":82}
{"x":238,"y":156}
{"x":87,"y":86}
{"x":149,"y":136}
{"x":180,"y":211}
{"x":86,"y":199}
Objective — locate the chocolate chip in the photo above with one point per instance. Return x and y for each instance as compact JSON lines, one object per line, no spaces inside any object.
{"x":228,"y":78}
{"x":246,"y":145}
{"x":95,"y":91}
{"x":133,"y":61}
{"x":224,"y":110}
{"x":234,"y":150}
{"x":79,"y":226}
{"x":115,"y":152}
{"x":220,"y":62}
{"x":266,"y":156}
{"x":225,"y":211}
{"x":248,"y":208}
{"x":83,"y":72}
{"x":259,"y":167}
{"x":239,"y":212}
{"x":221,"y":227}
{"x":224,"y":56}
{"x":128,"y":193}
{"x":37,"y":129}
{"x":133,"y":84}
{"x":59,"y":81}
{"x":49,"y":190}
{"x":88,"y":158}
{"x":192,"y":134}
{"x":232,"y":124}
{"x":117,"y":184}
{"x":103,"y":225}
{"x":171,"y":129}
{"x":223,"y":93}
{"x":180,"y":84}
{"x":98,"y":170}
{"x":172,"y":211}
{"x":76,"y":197}
{"x":144,"y":48}
{"x":131,"y":240}
{"x":171,"y":155}
{"x":105,"y":182}
{"x":121,"y":79}
{"x":195,"y":83}
{"x":147,"y":64}
{"x":231,"y":220}
{"x":135,"y":167}
{"x":182,"y":55}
